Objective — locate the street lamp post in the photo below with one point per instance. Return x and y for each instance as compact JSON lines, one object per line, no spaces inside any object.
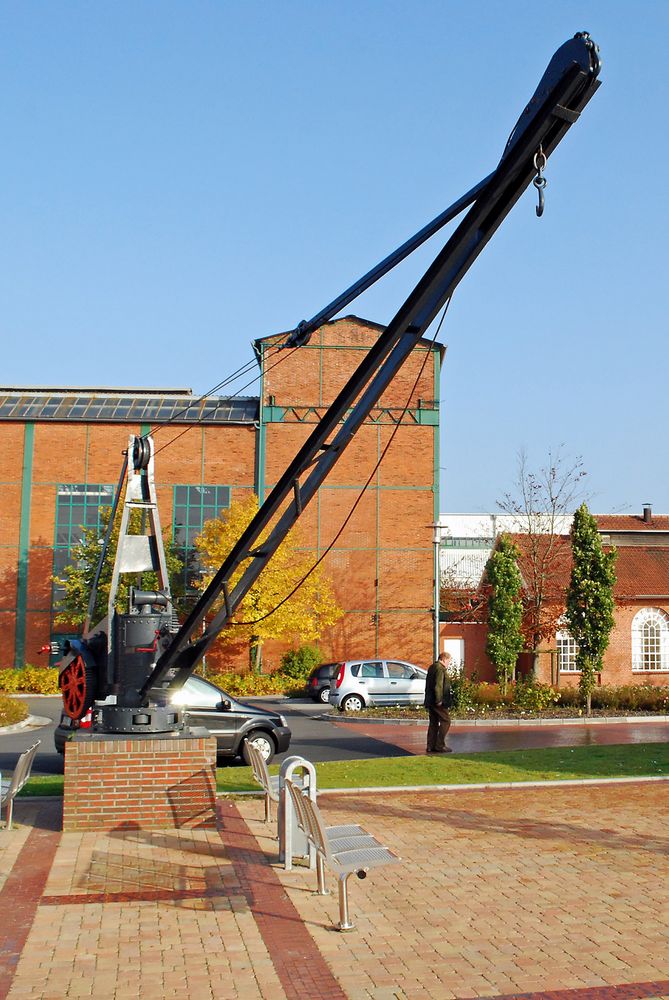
{"x":436,"y":541}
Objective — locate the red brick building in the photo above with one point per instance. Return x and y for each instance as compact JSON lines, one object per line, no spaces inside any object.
{"x":62,"y":453}
{"x":638,"y":651}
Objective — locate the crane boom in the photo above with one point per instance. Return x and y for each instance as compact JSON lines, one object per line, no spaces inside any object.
{"x":567,"y":85}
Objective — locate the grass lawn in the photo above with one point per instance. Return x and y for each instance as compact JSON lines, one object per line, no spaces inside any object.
{"x":551,"y":764}
{"x":42,"y":784}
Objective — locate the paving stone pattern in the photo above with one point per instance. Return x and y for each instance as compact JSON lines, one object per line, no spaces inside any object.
{"x":503,"y":893}
{"x":549,"y":892}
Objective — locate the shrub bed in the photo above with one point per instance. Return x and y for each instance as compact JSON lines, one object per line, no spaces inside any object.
{"x":250,"y":685}
{"x":472,"y":700}
{"x":12,"y":710}
{"x":30,"y":680}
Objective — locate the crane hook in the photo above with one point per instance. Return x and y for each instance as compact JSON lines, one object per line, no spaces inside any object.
{"x":540,"y":181}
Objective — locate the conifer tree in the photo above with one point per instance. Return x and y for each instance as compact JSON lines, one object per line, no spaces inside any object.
{"x":590,"y":601}
{"x":505,"y":610}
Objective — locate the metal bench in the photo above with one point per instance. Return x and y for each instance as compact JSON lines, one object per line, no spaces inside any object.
{"x":268,"y":782}
{"x":11,"y":787}
{"x":346,"y":850}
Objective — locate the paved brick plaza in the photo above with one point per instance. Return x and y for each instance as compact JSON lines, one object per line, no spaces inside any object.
{"x":549,"y":891}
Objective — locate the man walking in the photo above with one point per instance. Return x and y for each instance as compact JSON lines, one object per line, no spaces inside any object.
{"x":437,"y":702}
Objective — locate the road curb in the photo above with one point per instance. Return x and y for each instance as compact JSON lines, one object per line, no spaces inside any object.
{"x":33,"y":694}
{"x":490,"y":785}
{"x":608,"y":720}
{"x":31,"y":722}
{"x":482,"y":786}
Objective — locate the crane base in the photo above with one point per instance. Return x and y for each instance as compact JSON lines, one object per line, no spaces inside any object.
{"x":136,"y":721}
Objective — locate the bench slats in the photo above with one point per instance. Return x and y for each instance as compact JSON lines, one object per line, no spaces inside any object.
{"x":345,"y":831}
{"x":360,"y":858}
{"x":358,"y":841}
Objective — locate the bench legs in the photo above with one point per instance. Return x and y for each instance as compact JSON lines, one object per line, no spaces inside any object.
{"x":320,"y":871}
{"x":345,"y":923}
{"x":9,"y":814}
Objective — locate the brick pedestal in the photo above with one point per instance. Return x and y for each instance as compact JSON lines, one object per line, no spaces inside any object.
{"x":116,"y":782}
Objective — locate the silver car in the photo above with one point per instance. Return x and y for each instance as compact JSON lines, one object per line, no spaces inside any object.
{"x":355,"y":684}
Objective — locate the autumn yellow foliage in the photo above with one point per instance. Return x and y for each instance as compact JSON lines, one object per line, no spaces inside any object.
{"x":302,"y":617}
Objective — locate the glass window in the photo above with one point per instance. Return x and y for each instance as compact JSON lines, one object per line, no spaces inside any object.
{"x":107,"y":410}
{"x":77,"y":509}
{"x":650,"y":640}
{"x":193,"y":506}
{"x":372,"y":670}
{"x":467,"y":543}
{"x":155,"y":408}
{"x":196,"y":693}
{"x":566,"y":650}
{"x":399,"y":670}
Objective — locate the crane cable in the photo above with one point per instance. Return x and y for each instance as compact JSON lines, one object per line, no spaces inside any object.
{"x":264,"y":371}
{"x":195,"y":402}
{"x":242,"y":370}
{"x":348,"y":517}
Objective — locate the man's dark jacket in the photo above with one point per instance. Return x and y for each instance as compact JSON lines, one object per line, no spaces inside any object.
{"x":437,"y":686}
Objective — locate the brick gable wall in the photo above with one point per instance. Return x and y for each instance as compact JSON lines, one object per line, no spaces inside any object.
{"x":382,"y":563}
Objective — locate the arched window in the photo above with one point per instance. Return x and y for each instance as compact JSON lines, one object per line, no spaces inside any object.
{"x":566,"y":650}
{"x":650,"y":640}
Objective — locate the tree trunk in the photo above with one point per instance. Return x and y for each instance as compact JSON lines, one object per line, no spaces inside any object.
{"x":255,"y":655}
{"x":535,"y":663}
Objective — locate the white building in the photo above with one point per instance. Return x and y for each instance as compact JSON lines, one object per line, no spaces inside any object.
{"x":466,"y":540}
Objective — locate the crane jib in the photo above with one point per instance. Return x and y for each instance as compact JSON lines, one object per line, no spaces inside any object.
{"x":566,"y":87}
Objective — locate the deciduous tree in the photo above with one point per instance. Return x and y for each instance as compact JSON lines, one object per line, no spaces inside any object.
{"x":78,"y":577}
{"x":264,"y":614}
{"x":541,"y":506}
{"x":590,"y":601}
{"x":461,"y":602}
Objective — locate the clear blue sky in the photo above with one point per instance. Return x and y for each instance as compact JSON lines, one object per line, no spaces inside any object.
{"x":179,"y":178}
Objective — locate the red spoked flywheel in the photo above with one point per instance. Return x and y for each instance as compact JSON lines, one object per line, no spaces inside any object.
{"x":77,"y":682}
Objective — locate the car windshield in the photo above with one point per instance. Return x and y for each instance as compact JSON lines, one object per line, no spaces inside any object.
{"x":197,"y":691}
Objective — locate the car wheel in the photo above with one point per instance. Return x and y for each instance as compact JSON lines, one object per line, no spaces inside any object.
{"x":353,"y":703}
{"x":324,"y":695}
{"x":262,"y":742}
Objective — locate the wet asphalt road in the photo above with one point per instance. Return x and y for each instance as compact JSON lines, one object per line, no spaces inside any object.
{"x":314,"y":736}
{"x":320,"y":735}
